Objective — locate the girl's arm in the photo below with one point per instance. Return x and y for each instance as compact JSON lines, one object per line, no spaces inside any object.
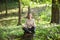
{"x":34,"y":24}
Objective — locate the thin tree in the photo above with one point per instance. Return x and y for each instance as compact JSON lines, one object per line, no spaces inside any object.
{"x":28,"y":11}
{"x":6,"y":7}
{"x":19,"y":13}
{"x":55,"y":12}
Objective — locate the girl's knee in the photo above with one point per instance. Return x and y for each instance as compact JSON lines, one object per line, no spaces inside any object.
{"x":33,"y":28}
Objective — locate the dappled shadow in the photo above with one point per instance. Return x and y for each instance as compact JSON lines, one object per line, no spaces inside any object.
{"x":11,"y":15}
{"x":33,"y":10}
{"x":8,"y":19}
{"x":8,"y":22}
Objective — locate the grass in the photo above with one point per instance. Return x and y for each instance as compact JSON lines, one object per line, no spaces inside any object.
{"x":53,"y":32}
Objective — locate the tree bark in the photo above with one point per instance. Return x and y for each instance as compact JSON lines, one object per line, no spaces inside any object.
{"x":59,"y":10}
{"x":55,"y":12}
{"x":19,"y":13}
{"x":6,"y":7}
{"x":28,"y":11}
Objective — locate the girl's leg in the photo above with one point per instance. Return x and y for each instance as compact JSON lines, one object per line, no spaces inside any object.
{"x":26,"y":30}
{"x":33,"y":30}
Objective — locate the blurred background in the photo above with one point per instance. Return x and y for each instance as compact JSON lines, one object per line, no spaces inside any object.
{"x":45,"y":12}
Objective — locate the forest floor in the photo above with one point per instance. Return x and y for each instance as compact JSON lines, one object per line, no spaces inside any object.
{"x":14,"y":12}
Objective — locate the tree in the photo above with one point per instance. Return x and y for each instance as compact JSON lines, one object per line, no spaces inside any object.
{"x":28,"y":10}
{"x":6,"y":6}
{"x":59,"y":9}
{"x":55,"y":12}
{"x":19,"y":13}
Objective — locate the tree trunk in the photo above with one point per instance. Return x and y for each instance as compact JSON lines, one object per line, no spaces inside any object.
{"x":0,"y":8}
{"x":59,"y":10}
{"x":6,"y":7}
{"x":19,"y":14}
{"x":55,"y":12}
{"x":28,"y":11}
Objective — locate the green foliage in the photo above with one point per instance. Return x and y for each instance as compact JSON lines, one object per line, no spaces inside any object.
{"x":46,"y":14}
{"x":26,"y":2}
{"x":6,"y":32}
{"x":42,"y":1}
{"x":41,"y":33}
{"x":48,"y":34}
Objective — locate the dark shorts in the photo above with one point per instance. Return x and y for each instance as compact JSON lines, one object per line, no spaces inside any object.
{"x":28,"y":30}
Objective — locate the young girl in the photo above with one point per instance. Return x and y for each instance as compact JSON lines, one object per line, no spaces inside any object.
{"x":29,"y":26}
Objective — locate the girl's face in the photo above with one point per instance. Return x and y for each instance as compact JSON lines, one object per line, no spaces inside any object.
{"x":30,"y":16}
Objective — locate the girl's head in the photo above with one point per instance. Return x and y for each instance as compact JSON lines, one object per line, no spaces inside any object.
{"x":29,"y":16}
